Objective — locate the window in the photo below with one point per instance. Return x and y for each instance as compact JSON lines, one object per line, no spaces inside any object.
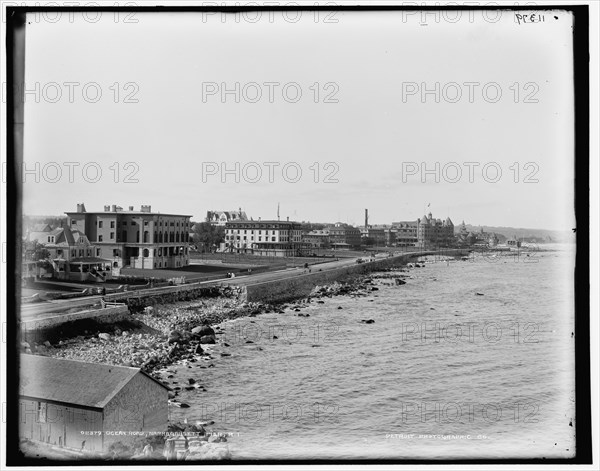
{"x":98,"y":252}
{"x":112,"y":235}
{"x":112,"y":224}
{"x":145,"y":223}
{"x":100,"y":238}
{"x":124,"y":223}
{"x":100,"y":224}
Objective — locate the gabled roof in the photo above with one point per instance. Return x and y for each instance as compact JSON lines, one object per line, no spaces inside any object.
{"x":73,"y":382}
{"x":64,"y":236}
{"x":40,"y":228}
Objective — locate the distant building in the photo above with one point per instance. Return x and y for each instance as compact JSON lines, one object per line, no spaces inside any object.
{"x":344,"y":236}
{"x":390,"y":236}
{"x":434,"y":232}
{"x":514,"y":242}
{"x":479,"y":239}
{"x":135,"y":239}
{"x":317,"y":239}
{"x":406,"y":233}
{"x":462,"y":236}
{"x":37,"y":232}
{"x":63,"y":402}
{"x":376,"y":234}
{"x":221,"y":218}
{"x":269,"y":238}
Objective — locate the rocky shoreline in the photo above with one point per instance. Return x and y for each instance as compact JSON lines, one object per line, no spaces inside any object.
{"x":160,"y":336}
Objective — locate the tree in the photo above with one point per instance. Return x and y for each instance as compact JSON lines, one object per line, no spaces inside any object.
{"x":206,"y":236}
{"x":368,"y":241}
{"x":34,"y":251}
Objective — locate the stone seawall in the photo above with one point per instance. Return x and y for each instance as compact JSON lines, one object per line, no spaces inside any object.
{"x":55,"y":326}
{"x":136,"y":301}
{"x":298,"y":286}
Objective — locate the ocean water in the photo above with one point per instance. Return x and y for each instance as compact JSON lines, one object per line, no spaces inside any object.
{"x":443,"y":372}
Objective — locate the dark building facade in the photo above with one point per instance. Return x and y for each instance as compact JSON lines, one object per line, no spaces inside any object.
{"x":80,"y":405}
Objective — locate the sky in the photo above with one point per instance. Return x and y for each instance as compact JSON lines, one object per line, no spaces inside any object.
{"x":464,"y":115}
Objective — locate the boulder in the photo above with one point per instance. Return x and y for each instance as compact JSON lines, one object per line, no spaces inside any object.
{"x":207,"y":339}
{"x":175,"y":336}
{"x":149,"y":310}
{"x":367,"y":321}
{"x":199,"y":350}
{"x":47,"y":344}
{"x":104,"y":336}
{"x":203,"y":330}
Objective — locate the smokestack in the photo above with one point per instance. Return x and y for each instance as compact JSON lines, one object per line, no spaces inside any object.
{"x":114,"y":208}
{"x":366,"y":218}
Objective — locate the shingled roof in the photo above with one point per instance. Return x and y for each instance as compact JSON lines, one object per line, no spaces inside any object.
{"x":80,"y":383}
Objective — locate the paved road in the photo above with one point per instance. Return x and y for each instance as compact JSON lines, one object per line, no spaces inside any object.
{"x":40,"y":310}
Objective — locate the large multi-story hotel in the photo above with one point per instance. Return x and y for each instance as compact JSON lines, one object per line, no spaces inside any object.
{"x":135,"y":239}
{"x":424,"y":232}
{"x":271,"y":238}
{"x":435,"y":232}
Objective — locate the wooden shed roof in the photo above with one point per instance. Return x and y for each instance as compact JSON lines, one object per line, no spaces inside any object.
{"x":73,"y":382}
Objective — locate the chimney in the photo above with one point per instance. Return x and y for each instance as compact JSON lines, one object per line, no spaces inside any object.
{"x":106,"y":208}
{"x":80,"y":208}
{"x":114,"y":208}
{"x":288,"y":219}
{"x":130,"y":208}
{"x":146,"y":208}
{"x":366,"y":218}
